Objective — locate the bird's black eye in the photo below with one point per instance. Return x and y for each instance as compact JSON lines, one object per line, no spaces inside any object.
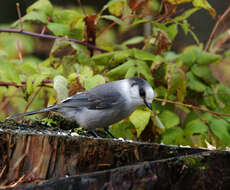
{"x":142,"y":92}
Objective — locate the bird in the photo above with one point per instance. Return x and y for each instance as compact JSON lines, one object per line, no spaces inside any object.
{"x":104,"y":104}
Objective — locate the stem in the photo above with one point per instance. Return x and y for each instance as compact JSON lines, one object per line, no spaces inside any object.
{"x":51,"y":37}
{"x":32,"y":98}
{"x":192,"y":107}
{"x":19,"y":16}
{"x":217,"y":26}
{"x":23,"y":83}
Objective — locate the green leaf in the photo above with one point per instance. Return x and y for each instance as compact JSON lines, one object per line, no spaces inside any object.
{"x":71,"y":18}
{"x":131,"y":72}
{"x":60,"y":85}
{"x":8,"y":71}
{"x":189,"y":56}
{"x":43,"y":6}
{"x":173,"y":136}
{"x":67,"y":17}
{"x":185,"y":26}
{"x":121,"y":70}
{"x":209,"y":98}
{"x":194,"y":83}
{"x":122,"y":130}
{"x":114,"y":19}
{"x":86,"y":71}
{"x":10,"y":42}
{"x":196,"y":127}
{"x":203,"y":72}
{"x":194,"y":54}
{"x":29,"y":84}
{"x":116,"y":8}
{"x":220,"y":128}
{"x":172,"y":31}
{"x":38,"y":78}
{"x":160,"y":91}
{"x":144,"y":69}
{"x":204,"y":58}
{"x":28,"y":68}
{"x":59,"y":29}
{"x":103,"y":58}
{"x":94,"y":81}
{"x":169,"y":119}
{"x":134,"y":40}
{"x":34,"y":17}
{"x":143,"y":55}
{"x":205,"y":5}
{"x":120,"y":56}
{"x":58,"y":45}
{"x":3,"y":53}
{"x":186,"y":14}
{"x":177,"y":82}
{"x":140,"y":118}
{"x":223,"y":94}
{"x":83,"y":58}
{"x":112,"y":58}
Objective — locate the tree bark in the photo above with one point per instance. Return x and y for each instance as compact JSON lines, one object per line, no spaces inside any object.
{"x":32,"y":154}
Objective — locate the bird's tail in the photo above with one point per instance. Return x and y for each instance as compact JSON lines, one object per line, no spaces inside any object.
{"x":51,"y":108}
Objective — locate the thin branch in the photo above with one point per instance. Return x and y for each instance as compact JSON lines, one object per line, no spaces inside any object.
{"x":23,"y":83}
{"x":7,"y":84}
{"x":192,"y":107}
{"x":6,"y":102}
{"x":122,"y":18}
{"x":32,"y":98}
{"x":82,"y":8}
{"x":51,"y":37}
{"x":19,"y":16}
{"x":218,"y":24}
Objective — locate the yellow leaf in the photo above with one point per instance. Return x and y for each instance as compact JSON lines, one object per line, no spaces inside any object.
{"x":116,"y":8}
{"x":196,"y":3}
{"x":140,"y":118}
{"x":177,"y":2}
{"x":205,"y":5}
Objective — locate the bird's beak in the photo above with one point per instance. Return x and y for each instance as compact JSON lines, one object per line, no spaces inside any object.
{"x":148,"y":105}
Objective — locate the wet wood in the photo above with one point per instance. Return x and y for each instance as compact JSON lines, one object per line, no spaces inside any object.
{"x":209,"y":170}
{"x":31,"y":154}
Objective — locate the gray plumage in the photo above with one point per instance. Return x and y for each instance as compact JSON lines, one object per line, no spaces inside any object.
{"x":103,"y":105}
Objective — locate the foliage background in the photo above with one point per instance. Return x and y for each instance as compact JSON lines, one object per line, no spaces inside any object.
{"x":138,"y":36}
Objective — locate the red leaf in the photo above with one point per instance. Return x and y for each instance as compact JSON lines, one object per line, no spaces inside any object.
{"x":137,"y":4}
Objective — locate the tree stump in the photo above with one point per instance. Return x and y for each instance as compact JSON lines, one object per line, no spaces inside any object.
{"x":37,"y":157}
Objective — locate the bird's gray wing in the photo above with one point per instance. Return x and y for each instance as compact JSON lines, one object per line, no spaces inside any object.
{"x":93,"y":99}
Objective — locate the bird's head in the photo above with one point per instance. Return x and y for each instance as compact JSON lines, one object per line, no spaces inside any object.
{"x":141,"y":92}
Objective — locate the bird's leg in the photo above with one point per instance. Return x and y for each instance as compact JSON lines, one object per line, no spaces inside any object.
{"x":94,"y":134}
{"x":107,"y":131}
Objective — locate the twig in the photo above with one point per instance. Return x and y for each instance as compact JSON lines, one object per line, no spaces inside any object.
{"x":51,"y":37}
{"x":43,"y":30}
{"x":23,"y":83}
{"x":122,"y":18}
{"x":32,"y":98}
{"x":7,"y":84}
{"x":19,"y":48}
{"x":82,"y":8}
{"x":19,"y":16}
{"x":192,"y":107}
{"x":6,"y":102}
{"x":217,"y":25}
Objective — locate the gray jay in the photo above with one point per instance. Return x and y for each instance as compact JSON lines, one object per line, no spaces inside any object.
{"x":103,"y":105}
